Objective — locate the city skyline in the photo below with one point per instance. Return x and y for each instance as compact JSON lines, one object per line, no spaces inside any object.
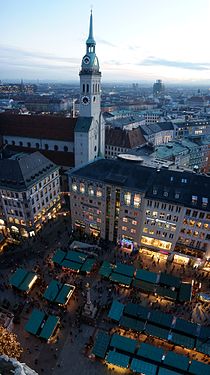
{"x":143,"y":42}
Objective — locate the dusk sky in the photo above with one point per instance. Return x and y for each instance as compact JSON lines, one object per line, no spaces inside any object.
{"x":136,"y":40}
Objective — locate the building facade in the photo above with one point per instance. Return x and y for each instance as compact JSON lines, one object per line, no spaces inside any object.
{"x":30,"y":194}
{"x":145,"y":207}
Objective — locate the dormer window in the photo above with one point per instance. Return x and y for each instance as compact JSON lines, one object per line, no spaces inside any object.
{"x":204,"y":202}
{"x":194,"y":199}
{"x":154,"y":191}
{"x":177,"y":195}
{"x":183,"y":180}
{"x":165,"y":193}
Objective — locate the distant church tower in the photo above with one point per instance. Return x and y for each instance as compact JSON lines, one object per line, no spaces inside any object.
{"x":89,"y":136}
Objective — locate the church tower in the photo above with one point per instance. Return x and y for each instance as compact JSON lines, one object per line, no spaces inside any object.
{"x":89,"y":131}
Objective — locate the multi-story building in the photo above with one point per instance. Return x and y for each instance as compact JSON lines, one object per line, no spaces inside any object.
{"x":158,"y":133}
{"x":125,"y":201}
{"x":29,"y":193}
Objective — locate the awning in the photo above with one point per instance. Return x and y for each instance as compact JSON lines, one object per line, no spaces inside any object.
{"x":118,"y":359}
{"x":151,"y":352}
{"x":101,"y":344}
{"x":116,"y":310}
{"x":177,"y":361}
{"x":142,"y":367}
{"x":123,"y":343}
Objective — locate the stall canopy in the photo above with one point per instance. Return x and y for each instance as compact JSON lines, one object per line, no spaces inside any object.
{"x":176,"y":361}
{"x":199,"y":368}
{"x":203,"y":346}
{"x":124,"y":269}
{"x":151,"y":352}
{"x":106,"y":269}
{"x":144,"y":285}
{"x":130,"y":323}
{"x":156,"y":331}
{"x":142,"y":367}
{"x":58,"y":292}
{"x":184,"y":326}
{"x":185,"y":292}
{"x":166,"y":292}
{"x":74,"y":260}
{"x":41,"y":324}
{"x":23,"y":279}
{"x":165,"y":371}
{"x":135,"y":310}
{"x":123,"y":343}
{"x":169,"y":280}
{"x":186,"y":341}
{"x":144,"y":275}
{"x":120,"y":279}
{"x":118,"y":359}
{"x":161,"y":318}
{"x":116,"y":310}
{"x":101,"y":344}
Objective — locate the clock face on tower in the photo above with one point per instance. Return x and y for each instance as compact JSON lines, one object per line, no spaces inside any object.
{"x":86,"y":59}
{"x":85,"y":100}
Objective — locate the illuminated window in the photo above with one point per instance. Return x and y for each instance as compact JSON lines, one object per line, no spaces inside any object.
{"x":82,"y":188}
{"x":99,"y":193}
{"x":74,"y":187}
{"x":136,"y":200}
{"x":124,"y":228}
{"x":90,"y":191}
{"x":148,"y":213}
{"x":98,"y":220}
{"x":192,"y":223}
{"x":133,"y":230}
{"x":156,"y":243}
{"x":198,"y":224}
{"x":127,"y":198}
{"x":134,"y":222}
{"x":205,"y":226}
{"x":145,"y":230}
{"x":125,"y":219}
{"x":154,"y":214}
{"x":204,"y":202}
{"x":151,"y":231}
{"x":194,"y":199}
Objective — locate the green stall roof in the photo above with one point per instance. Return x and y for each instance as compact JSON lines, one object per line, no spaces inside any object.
{"x":204,"y":332}
{"x":144,"y":285}
{"x":135,"y":310}
{"x":24,"y":286}
{"x":116,"y":310}
{"x":49,"y":327}
{"x":131,"y":323}
{"x":58,"y":256}
{"x":151,"y":352}
{"x":71,"y":265}
{"x":123,"y":343}
{"x":177,"y":361}
{"x":161,"y":318}
{"x":63,"y":294}
{"x":157,"y":331}
{"x":144,"y":275}
{"x":166,"y":292}
{"x":203,"y":347}
{"x":199,"y":368}
{"x":186,"y":341}
{"x":105,"y":269}
{"x":185,"y":292}
{"x":76,"y":256}
{"x":35,"y":321}
{"x":165,"y":371}
{"x":142,"y":367}
{"x":169,"y":280}
{"x":17,"y":277}
{"x":118,"y":359}
{"x":88,"y":265}
{"x":121,"y":279}
{"x":124,"y":269}
{"x":186,"y":327}
{"x":52,"y":290}
{"x":101,"y":344}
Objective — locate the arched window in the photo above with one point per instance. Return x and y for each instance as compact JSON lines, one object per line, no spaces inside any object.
{"x":93,"y":89}
{"x":87,"y":87}
{"x":13,"y":143}
{"x":46,"y":146}
{"x":37,"y":145}
{"x":29,"y":144}
{"x":56,"y":148}
{"x":20,"y":143}
{"x":65,"y":149}
{"x":83,"y":87}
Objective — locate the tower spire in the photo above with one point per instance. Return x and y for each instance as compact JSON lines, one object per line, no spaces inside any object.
{"x":90,"y":40}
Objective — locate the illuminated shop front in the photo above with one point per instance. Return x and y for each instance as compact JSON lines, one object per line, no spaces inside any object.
{"x":161,"y":255}
{"x":79,"y":225}
{"x":127,"y":244}
{"x":94,"y":230}
{"x":164,"y":245}
{"x":181,"y":259}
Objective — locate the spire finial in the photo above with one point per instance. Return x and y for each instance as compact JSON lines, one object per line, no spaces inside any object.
{"x":90,"y":39}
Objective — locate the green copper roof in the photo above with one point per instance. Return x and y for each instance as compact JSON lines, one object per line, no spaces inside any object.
{"x":90,"y":39}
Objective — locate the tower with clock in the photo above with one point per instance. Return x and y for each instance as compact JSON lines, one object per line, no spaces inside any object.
{"x":89,"y":131}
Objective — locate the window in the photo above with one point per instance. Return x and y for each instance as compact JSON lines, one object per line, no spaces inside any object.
{"x":56,"y":148}
{"x":194,"y":199}
{"x":90,"y":190}
{"x":65,"y":149}
{"x":99,"y":193}
{"x":74,"y":187}
{"x":124,"y":228}
{"x":20,"y":143}
{"x":154,"y":214}
{"x":177,"y":195}
{"x":37,"y":145}
{"x":46,"y":146}
{"x":204,"y":202}
{"x":127,"y":198}
{"x":13,"y":143}
{"x":165,"y":193}
{"x":195,"y":213}
{"x":125,"y":220}
{"x":82,"y":188}
{"x":183,"y":180}
{"x":29,"y":144}
{"x":133,"y":230}
{"x":188,"y":212}
{"x":134,"y":222}
{"x":201,"y":215}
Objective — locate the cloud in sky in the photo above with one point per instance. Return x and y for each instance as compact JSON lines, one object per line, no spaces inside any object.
{"x":150,"y":61}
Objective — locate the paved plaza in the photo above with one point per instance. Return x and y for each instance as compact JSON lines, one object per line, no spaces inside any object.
{"x":71,"y":348}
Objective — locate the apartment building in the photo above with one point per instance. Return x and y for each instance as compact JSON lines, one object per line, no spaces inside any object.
{"x":164,"y":210}
{"x":29,"y":193}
